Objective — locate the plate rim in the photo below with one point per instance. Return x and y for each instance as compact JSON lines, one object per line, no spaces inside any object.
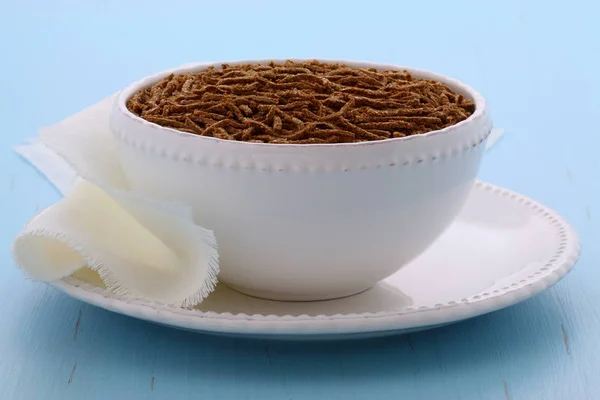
{"x":564,"y":259}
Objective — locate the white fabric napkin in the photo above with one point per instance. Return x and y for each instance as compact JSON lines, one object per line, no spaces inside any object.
{"x":140,"y":247}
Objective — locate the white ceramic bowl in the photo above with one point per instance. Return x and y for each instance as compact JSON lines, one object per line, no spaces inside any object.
{"x":308,"y":222}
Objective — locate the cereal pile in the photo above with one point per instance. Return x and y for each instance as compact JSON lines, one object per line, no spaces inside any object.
{"x":307,"y":102}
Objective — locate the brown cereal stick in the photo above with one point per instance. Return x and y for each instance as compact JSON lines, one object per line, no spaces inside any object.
{"x":167,"y":122}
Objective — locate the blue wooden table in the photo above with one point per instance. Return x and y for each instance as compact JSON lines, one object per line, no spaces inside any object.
{"x":536,"y":62}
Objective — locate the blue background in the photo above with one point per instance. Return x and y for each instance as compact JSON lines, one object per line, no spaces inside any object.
{"x":537,"y":63}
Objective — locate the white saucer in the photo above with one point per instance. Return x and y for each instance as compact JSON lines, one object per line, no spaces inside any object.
{"x":502,"y":249}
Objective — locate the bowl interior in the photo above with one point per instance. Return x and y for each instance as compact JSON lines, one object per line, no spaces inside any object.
{"x":457,"y":86}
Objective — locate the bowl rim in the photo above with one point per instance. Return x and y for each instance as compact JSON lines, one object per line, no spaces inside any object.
{"x":455,"y":84}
